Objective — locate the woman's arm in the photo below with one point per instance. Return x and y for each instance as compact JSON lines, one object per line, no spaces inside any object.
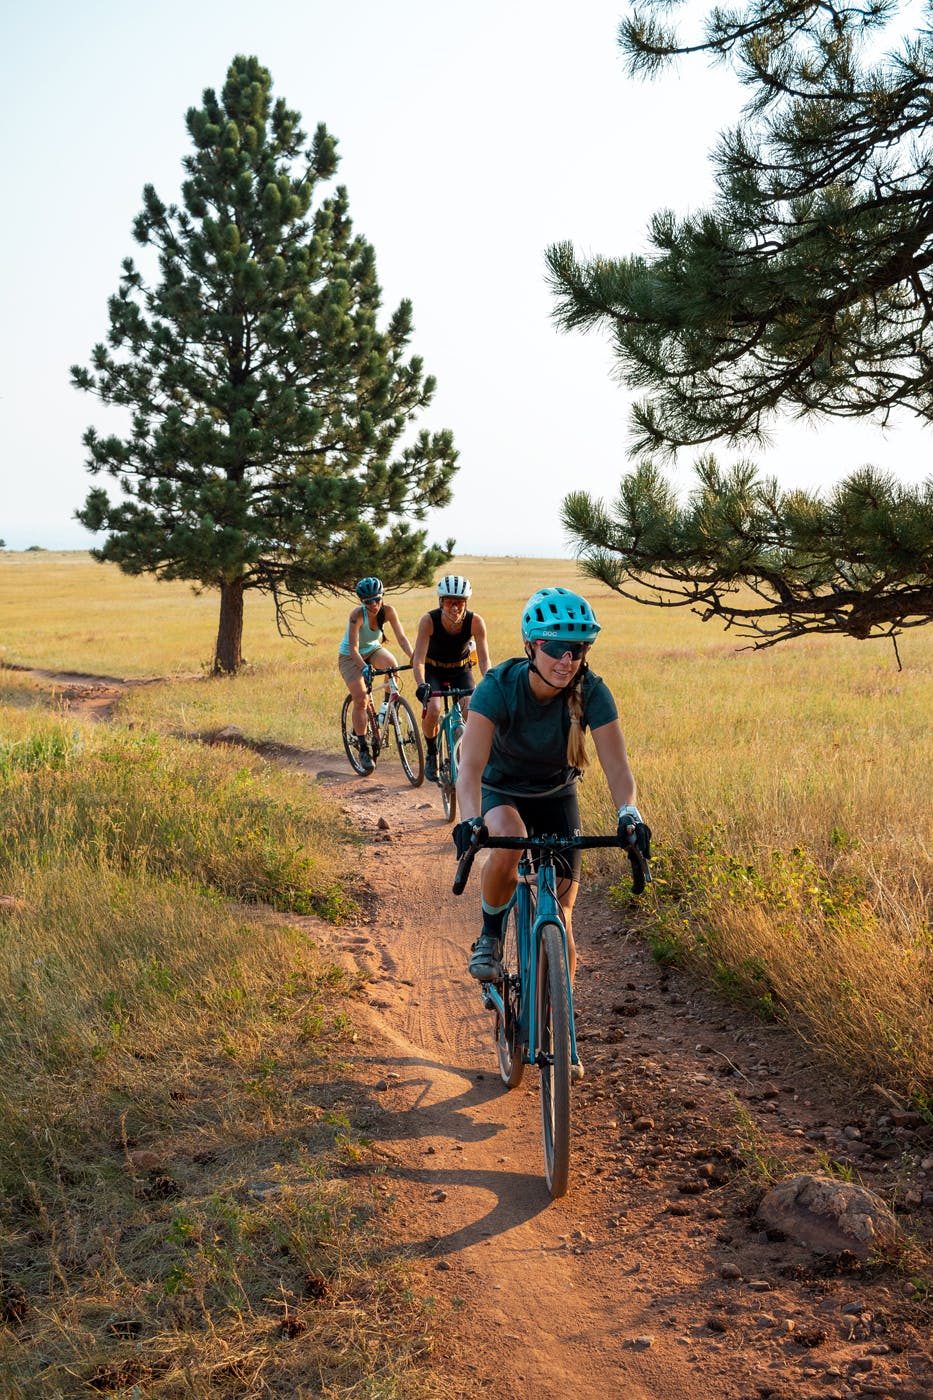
{"x":482,"y":646}
{"x":613,"y":759}
{"x":353,"y":636}
{"x":392,"y":618}
{"x":425,"y":628}
{"x":474,"y":755}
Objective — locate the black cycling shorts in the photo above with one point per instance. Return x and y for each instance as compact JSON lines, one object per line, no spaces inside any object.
{"x":461,"y":679}
{"x":545,"y":816}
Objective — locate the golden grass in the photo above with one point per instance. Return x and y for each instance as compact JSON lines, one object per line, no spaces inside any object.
{"x":180,"y":1108}
{"x":765,"y":775}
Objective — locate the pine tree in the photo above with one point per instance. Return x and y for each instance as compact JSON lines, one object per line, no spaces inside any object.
{"x":271,"y":444}
{"x":805,"y":288}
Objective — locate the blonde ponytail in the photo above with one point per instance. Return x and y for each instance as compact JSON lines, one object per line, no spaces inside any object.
{"x":577,"y":755}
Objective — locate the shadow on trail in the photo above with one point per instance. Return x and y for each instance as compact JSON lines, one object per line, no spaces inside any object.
{"x":519,"y":1196}
{"x":432,"y":1115}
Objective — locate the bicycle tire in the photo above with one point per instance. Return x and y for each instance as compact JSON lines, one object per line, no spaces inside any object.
{"x":408,"y":738}
{"x":553,"y":1020}
{"x":509,"y":1047}
{"x":351,"y":739}
{"x":445,"y":774}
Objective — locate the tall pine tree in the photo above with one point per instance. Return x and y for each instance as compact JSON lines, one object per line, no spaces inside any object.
{"x":805,"y":288}
{"x":271,"y":443}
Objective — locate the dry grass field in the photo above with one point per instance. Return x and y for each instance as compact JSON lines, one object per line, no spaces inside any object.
{"x":788,"y":789}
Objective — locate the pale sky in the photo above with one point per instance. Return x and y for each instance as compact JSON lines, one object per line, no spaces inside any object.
{"x":471,"y":137}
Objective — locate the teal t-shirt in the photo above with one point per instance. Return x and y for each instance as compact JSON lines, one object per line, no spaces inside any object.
{"x":529,"y":747}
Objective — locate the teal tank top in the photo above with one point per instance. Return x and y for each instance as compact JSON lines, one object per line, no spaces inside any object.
{"x":370,"y":640}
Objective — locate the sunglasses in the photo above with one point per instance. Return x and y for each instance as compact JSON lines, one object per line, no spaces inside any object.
{"x":555,"y":650}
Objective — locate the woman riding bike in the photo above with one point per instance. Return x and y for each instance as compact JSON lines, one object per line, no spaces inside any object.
{"x":524,"y":750}
{"x":442,"y":659}
{"x":362,"y":645}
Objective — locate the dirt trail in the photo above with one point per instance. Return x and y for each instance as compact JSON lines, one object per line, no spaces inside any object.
{"x":651,"y":1279}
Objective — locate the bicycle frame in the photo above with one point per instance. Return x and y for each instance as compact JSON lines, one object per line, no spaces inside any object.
{"x":382,"y":717}
{"x":395,"y":715}
{"x":531,"y":992}
{"x":451,"y":720}
{"x":529,"y":924}
{"x":451,"y":724}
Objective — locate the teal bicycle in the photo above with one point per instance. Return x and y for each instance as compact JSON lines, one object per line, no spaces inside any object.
{"x":449,"y":740}
{"x":533,"y":1000}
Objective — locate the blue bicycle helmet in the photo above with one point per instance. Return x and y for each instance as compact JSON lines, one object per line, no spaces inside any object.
{"x":369,"y":589}
{"x":559,"y":615}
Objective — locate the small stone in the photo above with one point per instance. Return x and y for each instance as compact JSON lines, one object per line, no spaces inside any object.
{"x":731,"y":1271}
{"x":862,"y":1363}
{"x":442,"y":1266}
{"x":382,"y":824}
{"x":438,"y":1195}
{"x":760,"y":1285}
{"x":264,"y":1190}
{"x":642,"y":1343}
{"x":643,"y":1125}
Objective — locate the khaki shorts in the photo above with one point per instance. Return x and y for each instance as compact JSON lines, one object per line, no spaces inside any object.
{"x":349,"y":669}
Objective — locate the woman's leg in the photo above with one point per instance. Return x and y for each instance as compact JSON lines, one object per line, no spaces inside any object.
{"x":500,"y":875}
{"x":381,"y":660}
{"x":567,"y":891}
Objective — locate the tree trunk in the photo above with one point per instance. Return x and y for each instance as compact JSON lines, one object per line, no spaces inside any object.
{"x":227,"y":654}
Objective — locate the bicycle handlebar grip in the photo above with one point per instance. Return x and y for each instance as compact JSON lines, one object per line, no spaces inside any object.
{"x":641,"y":875}
{"x":639,"y":871}
{"x":464,"y":865}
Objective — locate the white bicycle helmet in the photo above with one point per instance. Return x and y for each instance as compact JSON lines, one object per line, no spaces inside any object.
{"x":454,"y":586}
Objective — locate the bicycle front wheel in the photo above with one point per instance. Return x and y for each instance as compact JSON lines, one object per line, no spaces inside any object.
{"x":552,"y":1000}
{"x":408,"y":738}
{"x":446,"y":773}
{"x":351,"y":740}
{"x":509,"y":1047}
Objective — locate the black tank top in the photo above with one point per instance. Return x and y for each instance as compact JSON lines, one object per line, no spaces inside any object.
{"x":447,"y":649}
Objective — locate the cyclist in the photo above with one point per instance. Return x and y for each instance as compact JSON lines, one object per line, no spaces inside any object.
{"x":524,"y":751}
{"x":363,"y":646}
{"x":442,"y":659}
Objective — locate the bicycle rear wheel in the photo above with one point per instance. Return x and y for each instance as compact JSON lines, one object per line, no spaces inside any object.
{"x":408,"y":738}
{"x":509,"y":1047}
{"x":445,"y":773}
{"x":553,"y":1018}
{"x":351,"y":740}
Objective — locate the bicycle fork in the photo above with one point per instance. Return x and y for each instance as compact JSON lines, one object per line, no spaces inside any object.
{"x":548,"y":913}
